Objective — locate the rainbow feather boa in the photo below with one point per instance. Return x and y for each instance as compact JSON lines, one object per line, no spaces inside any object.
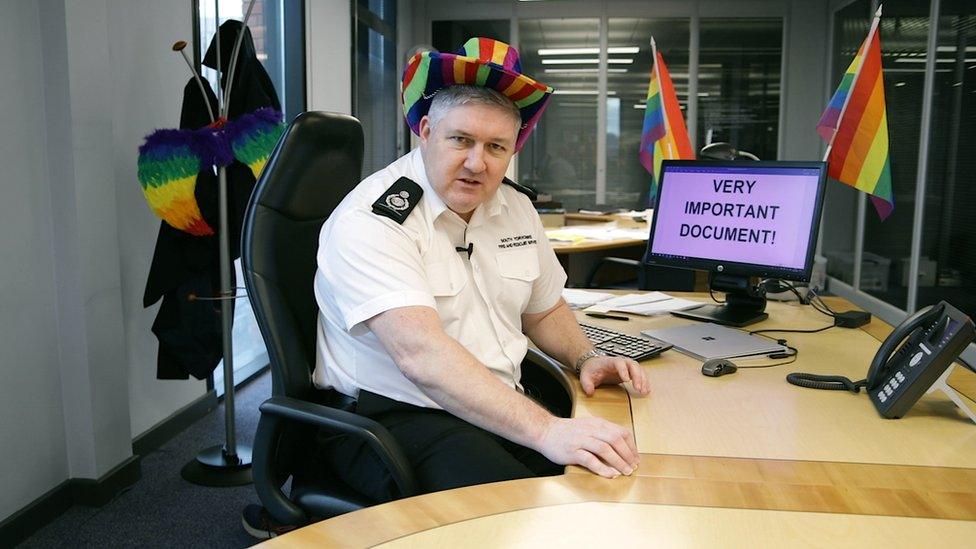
{"x":170,"y":160}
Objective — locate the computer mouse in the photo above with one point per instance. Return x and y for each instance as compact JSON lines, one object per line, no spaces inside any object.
{"x":718,"y":367}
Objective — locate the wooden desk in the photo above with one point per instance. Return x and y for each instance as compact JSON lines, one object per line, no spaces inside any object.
{"x":578,"y":258}
{"x":696,"y":489}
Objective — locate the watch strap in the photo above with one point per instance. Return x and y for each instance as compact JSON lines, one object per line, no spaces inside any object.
{"x":583,"y":358}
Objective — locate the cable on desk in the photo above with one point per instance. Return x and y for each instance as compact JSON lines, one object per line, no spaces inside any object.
{"x":827,"y":383}
{"x":792,"y":357}
{"x":812,"y":299}
{"x":786,"y":330}
{"x":712,"y":294}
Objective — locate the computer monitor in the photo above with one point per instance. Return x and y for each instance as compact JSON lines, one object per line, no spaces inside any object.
{"x":742,"y":222}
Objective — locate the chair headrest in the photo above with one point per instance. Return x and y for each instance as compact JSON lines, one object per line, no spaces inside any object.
{"x":317,"y":150}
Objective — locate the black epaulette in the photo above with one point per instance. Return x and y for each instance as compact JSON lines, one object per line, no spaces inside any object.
{"x":399,"y":200}
{"x":524,"y":189}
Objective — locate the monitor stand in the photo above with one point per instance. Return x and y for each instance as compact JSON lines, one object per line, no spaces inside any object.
{"x":745,"y":302}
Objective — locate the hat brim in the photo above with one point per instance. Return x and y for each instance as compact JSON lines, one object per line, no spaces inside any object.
{"x":428,"y":72}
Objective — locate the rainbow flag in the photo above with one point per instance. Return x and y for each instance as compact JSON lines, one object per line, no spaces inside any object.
{"x":664,"y":136}
{"x":855,"y":126}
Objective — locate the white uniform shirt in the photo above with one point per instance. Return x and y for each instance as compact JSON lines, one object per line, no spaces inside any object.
{"x":368,"y":264}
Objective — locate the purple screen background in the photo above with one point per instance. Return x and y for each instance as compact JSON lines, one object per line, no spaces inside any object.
{"x":793,"y":190}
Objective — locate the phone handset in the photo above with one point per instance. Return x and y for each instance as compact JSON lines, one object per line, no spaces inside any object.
{"x":913,"y":328}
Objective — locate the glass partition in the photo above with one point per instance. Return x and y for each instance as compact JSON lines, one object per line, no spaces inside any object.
{"x":888,"y":244}
{"x":376,"y":97}
{"x":560,"y":156}
{"x":739,"y":75}
{"x":947,"y":263}
{"x":628,"y":182}
{"x":839,"y":225}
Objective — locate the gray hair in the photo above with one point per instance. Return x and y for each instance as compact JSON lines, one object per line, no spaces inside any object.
{"x":466,"y":94}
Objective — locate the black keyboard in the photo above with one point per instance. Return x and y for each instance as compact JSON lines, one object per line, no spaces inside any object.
{"x":619,"y":344}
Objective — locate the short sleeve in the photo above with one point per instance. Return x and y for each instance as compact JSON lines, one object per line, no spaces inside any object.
{"x":548,"y":288}
{"x":368,"y":266}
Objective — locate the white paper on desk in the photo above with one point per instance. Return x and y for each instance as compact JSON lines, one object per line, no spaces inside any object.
{"x":578,"y":299}
{"x":627,"y":300}
{"x":659,"y":307}
{"x":651,"y":303}
{"x":600,"y":231}
{"x":635,"y":234}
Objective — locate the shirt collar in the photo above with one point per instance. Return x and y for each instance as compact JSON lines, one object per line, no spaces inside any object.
{"x":435,"y":205}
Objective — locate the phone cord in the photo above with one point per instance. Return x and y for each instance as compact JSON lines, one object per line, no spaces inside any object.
{"x":827,"y":383}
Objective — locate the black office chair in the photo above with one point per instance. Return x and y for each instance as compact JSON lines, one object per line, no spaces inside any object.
{"x":315,"y":164}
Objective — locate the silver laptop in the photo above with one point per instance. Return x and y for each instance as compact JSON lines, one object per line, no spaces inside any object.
{"x":706,"y":341}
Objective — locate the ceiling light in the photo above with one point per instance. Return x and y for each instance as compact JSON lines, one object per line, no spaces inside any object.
{"x":582,"y":71}
{"x":589,"y":51}
{"x":580,"y":92}
{"x":585,"y":61}
{"x":923,"y":59}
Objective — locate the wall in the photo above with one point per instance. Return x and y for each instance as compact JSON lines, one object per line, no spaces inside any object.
{"x":146,"y":87}
{"x":32,"y":429}
{"x":78,"y":360}
{"x":805,"y":69}
{"x":328,"y":60}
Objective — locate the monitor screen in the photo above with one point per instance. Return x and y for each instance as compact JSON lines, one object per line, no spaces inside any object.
{"x":739,"y":218}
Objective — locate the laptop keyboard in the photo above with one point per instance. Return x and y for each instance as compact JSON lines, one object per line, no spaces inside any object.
{"x":616,"y":343}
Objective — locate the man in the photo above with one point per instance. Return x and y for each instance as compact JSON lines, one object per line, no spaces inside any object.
{"x":432,"y":272}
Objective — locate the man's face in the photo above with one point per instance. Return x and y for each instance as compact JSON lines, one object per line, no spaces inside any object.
{"x":467,"y":153}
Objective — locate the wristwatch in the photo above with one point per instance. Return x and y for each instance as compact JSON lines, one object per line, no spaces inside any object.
{"x":583,"y":358}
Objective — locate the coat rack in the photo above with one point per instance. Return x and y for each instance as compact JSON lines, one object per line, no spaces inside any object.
{"x":228,"y":464}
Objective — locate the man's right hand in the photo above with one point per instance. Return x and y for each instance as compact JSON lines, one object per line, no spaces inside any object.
{"x":603,"y":447}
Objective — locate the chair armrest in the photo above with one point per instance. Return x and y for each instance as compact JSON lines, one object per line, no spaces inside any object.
{"x":279,"y":408}
{"x":548,"y":382}
{"x":552,"y":367}
{"x":378,"y":438}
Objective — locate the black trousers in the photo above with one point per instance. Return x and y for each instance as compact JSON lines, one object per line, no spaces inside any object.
{"x":445,"y":451}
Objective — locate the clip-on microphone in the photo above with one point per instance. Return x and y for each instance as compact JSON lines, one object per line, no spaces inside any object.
{"x":469,"y":249}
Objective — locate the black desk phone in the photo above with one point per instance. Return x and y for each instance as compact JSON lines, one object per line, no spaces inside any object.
{"x":916,"y":354}
{"x":901,"y":373}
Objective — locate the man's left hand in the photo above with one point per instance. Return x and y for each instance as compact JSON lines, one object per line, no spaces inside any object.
{"x":606,"y":370}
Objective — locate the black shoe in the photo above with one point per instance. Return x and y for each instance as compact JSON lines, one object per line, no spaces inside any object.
{"x":259,"y":524}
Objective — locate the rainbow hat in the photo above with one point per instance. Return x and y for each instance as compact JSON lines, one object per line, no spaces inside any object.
{"x":480,"y":62}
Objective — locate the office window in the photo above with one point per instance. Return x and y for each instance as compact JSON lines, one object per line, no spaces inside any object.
{"x":887,"y":245}
{"x":560,"y":156}
{"x":739,"y":83}
{"x":839,"y":225}
{"x":376,"y":84}
{"x":278,"y":29}
{"x":948,"y":256}
{"x":628,"y":182}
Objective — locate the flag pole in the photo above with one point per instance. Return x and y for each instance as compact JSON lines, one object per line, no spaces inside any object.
{"x":857,"y":74}
{"x":660,"y":87}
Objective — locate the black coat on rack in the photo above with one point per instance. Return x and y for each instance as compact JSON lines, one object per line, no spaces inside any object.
{"x":189,"y":331}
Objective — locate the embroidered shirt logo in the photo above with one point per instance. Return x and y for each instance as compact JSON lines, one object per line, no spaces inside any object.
{"x":398,"y":201}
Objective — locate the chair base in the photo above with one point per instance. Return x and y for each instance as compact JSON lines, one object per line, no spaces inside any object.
{"x":212,"y":467}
